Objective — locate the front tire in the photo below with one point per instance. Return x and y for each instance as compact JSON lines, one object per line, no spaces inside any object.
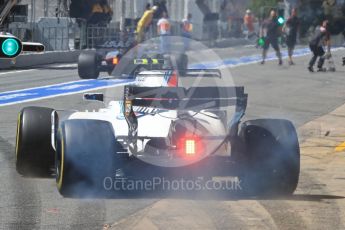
{"x":34,"y":153}
{"x":272,"y":157}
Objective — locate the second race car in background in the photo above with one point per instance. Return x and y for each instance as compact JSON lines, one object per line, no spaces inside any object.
{"x":104,"y":58}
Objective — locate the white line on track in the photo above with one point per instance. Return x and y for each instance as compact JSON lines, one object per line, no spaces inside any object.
{"x":16,"y":71}
{"x":38,"y":68}
{"x":45,"y":86}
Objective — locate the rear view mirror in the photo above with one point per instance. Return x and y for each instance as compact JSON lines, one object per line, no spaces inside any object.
{"x":94,"y":97}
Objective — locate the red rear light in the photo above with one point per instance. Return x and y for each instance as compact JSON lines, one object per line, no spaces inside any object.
{"x":190,"y":146}
{"x":115,"y":61}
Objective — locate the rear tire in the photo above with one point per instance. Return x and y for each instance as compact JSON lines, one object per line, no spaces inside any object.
{"x":34,"y":153}
{"x":272,"y":157}
{"x":85,"y":154}
{"x":88,"y":65}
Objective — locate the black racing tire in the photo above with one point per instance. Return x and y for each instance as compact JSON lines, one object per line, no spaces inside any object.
{"x":88,"y":65}
{"x":272,"y":157}
{"x":34,"y":152}
{"x":85,"y":156}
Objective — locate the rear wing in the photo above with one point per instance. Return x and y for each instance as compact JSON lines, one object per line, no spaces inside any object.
{"x":203,"y":72}
{"x":192,"y":99}
{"x":181,"y":99}
{"x":159,"y":64}
{"x":210,"y":73}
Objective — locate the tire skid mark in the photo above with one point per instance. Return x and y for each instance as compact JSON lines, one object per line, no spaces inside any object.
{"x":325,"y":211}
{"x":169,"y":214}
{"x":300,"y":212}
{"x":199,"y":214}
{"x":252,"y":214}
{"x":91,"y":213}
{"x":233,"y":215}
{"x":26,"y":208}
{"x":130,"y":221}
{"x":283,"y":215}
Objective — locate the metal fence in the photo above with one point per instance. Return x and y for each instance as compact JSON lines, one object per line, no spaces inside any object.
{"x":96,"y":36}
{"x":65,"y":38}
{"x":54,"y":38}
{"x":23,"y":34}
{"x":75,"y":37}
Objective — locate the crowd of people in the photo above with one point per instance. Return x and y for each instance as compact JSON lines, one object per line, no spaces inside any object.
{"x":163,"y":26}
{"x":270,"y":33}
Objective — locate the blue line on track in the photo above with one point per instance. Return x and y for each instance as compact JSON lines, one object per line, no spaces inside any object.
{"x":232,"y":62}
{"x":38,"y":93}
{"x":44,"y":92}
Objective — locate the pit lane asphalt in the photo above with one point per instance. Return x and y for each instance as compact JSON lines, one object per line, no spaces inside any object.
{"x":279,"y":92}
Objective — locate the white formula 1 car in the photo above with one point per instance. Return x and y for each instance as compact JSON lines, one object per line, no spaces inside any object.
{"x":159,"y":128}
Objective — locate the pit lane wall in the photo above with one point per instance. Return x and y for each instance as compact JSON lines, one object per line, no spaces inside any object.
{"x":35,"y":59}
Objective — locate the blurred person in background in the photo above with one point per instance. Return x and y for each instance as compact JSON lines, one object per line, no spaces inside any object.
{"x":270,"y":32}
{"x":289,"y":6}
{"x":187,"y":29}
{"x":231,"y":16}
{"x":164,"y":29}
{"x":223,"y":20}
{"x":145,"y":22}
{"x":108,"y":12}
{"x":101,"y":13}
{"x":249,"y":20}
{"x":320,"y":38}
{"x":236,"y":21}
{"x":161,"y":7}
{"x":291,"y":30}
{"x":329,"y":7}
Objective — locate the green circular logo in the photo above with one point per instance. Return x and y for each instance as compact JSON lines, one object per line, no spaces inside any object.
{"x":10,"y":47}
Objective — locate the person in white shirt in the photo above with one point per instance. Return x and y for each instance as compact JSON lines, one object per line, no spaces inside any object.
{"x":164,"y":31}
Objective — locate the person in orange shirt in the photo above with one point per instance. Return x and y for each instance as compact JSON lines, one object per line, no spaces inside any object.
{"x":187,"y":29}
{"x":249,"y":23}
